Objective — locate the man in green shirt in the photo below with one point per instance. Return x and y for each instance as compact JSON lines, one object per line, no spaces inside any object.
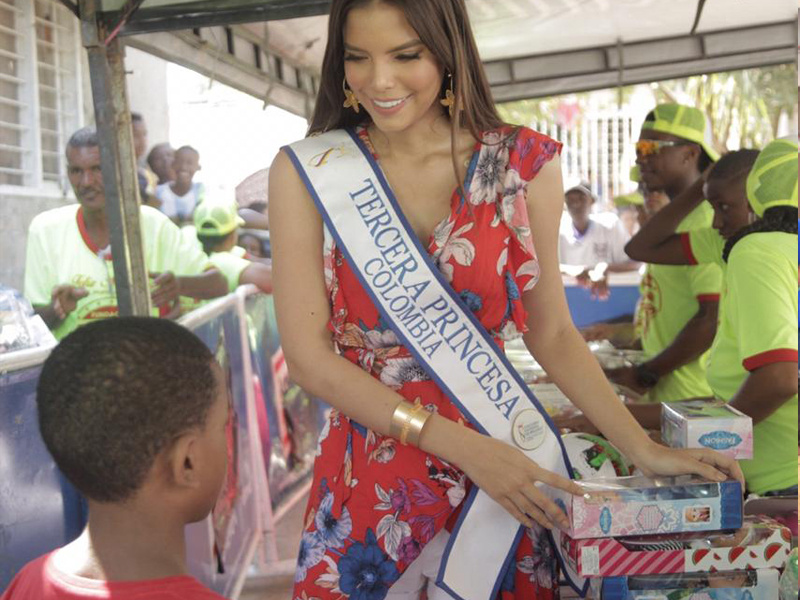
{"x":69,"y":277}
{"x":753,"y":361}
{"x":679,"y":304}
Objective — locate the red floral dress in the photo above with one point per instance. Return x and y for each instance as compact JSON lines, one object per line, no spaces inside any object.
{"x":375,"y":503}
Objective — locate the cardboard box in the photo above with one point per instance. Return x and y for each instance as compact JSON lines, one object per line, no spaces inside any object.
{"x":760,"y":543}
{"x":637,"y":505}
{"x":707,"y":424}
{"x":761,"y":584}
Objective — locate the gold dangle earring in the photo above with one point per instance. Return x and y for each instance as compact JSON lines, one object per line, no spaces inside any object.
{"x":350,"y":100}
{"x":449,"y":99}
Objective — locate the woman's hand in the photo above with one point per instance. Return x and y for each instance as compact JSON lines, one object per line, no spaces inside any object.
{"x":510,"y":478}
{"x":657,"y":460}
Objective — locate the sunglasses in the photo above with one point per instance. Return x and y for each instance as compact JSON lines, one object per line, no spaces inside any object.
{"x":649,"y":147}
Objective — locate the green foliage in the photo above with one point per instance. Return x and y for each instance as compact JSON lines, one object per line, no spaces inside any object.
{"x":743,"y":107}
{"x":746,"y":104}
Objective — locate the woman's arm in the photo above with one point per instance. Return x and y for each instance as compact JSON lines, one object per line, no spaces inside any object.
{"x":303,"y":311}
{"x":560,"y":349}
{"x":656,"y":242}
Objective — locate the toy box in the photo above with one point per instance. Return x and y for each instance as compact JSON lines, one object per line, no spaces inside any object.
{"x":637,"y":505}
{"x":761,"y":584}
{"x":760,"y":543}
{"x":707,"y":424}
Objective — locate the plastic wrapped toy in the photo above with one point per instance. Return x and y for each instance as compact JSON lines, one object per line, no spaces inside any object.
{"x":761,"y":584}
{"x":625,"y":506}
{"x":20,"y":328}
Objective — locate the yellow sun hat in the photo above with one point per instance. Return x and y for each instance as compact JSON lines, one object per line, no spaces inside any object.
{"x":684,"y":122}
{"x":773,"y":179}
{"x":632,"y":199}
{"x":217,"y":217}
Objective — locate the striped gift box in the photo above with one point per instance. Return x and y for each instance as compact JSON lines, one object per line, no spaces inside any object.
{"x":761,"y":543}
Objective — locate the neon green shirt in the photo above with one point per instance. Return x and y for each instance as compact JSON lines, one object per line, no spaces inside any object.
{"x":757,"y":329}
{"x":670,"y":297}
{"x":230,"y":265}
{"x":704,"y":246}
{"x":60,"y":251}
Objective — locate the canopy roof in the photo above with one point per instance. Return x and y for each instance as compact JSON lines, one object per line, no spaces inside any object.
{"x":531,"y":47}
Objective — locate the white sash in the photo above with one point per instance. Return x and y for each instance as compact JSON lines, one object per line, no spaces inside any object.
{"x":360,"y":211}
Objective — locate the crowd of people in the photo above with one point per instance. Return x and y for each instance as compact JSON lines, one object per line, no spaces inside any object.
{"x":430,"y":183}
{"x":190,"y":241}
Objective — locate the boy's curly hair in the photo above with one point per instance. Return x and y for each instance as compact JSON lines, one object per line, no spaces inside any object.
{"x":115,"y":393}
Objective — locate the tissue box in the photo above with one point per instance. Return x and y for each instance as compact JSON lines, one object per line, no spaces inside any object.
{"x":623,"y":506}
{"x":707,"y":424}
{"x":760,"y":543}
{"x":761,"y":584}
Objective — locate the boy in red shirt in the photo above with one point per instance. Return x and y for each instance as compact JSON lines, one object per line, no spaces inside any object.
{"x":134,"y":412}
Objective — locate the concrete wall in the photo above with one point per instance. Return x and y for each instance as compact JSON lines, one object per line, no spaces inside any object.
{"x":147,"y":92}
{"x":17,"y":210}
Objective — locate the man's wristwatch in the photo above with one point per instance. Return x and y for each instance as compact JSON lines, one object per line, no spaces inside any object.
{"x":645,"y":376}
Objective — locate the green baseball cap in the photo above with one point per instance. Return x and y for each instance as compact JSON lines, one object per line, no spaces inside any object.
{"x":632,"y":199}
{"x":217,"y":217}
{"x":773,"y":179}
{"x":684,"y":122}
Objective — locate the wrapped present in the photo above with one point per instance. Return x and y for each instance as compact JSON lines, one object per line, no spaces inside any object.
{"x":760,"y":584}
{"x":707,"y":424}
{"x":638,"y":505}
{"x":760,"y":543}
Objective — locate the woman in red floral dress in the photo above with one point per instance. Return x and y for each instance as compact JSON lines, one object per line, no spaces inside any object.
{"x":477,"y":195}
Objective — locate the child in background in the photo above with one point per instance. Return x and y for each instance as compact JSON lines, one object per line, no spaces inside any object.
{"x":179,"y":197}
{"x":217,"y":224}
{"x":134,"y":412}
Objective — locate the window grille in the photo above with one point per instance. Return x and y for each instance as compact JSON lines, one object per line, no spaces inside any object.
{"x":40,"y":90}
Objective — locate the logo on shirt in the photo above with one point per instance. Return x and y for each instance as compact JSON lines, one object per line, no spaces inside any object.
{"x":601,"y":251}
{"x":649,"y":303}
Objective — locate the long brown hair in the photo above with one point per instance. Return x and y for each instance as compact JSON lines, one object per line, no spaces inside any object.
{"x":443,"y":26}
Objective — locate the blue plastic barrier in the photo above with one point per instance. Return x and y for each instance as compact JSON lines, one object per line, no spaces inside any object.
{"x":39,"y":509}
{"x":585,"y":310}
{"x":292,"y":420}
{"x":220,"y":549}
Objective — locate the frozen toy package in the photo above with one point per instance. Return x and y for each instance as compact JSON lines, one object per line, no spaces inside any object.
{"x":760,"y":543}
{"x":638,"y":505}
{"x":707,"y":424}
{"x":760,"y":584}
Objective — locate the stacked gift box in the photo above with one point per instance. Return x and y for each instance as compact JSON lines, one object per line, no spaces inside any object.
{"x":674,"y":538}
{"x":707,"y":424}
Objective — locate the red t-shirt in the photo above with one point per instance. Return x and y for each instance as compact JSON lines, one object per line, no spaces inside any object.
{"x":40,"y":580}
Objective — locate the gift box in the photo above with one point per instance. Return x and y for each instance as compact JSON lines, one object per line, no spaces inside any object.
{"x":760,"y":584}
{"x":637,"y":505}
{"x":760,"y":543}
{"x":707,"y":424}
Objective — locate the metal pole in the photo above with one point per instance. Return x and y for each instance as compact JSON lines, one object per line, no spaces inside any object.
{"x":117,"y":161}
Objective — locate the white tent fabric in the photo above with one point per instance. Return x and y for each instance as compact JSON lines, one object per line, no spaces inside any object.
{"x":511,"y":28}
{"x":531,"y":47}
